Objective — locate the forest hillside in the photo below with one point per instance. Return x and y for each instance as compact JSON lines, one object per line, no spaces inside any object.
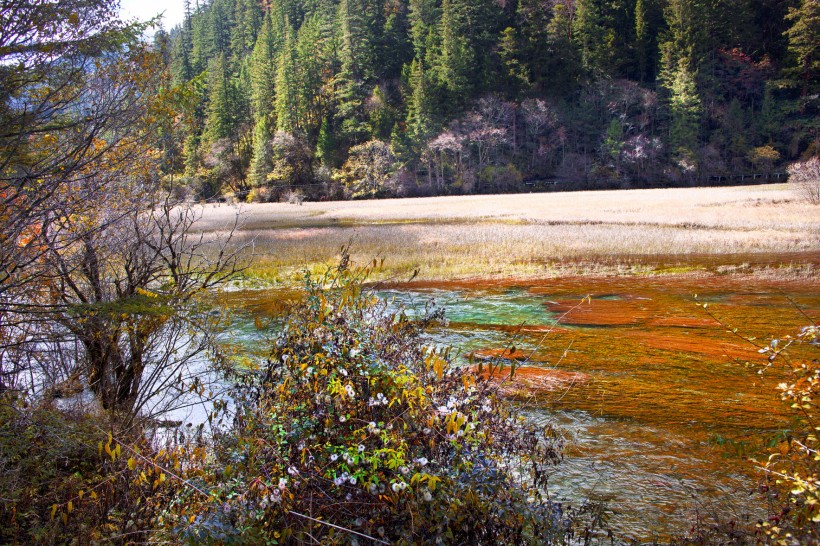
{"x":363,"y":98}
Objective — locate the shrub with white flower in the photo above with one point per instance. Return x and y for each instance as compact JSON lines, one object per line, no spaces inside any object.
{"x":386,"y":440}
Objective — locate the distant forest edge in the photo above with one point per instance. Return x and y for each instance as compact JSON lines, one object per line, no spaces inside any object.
{"x":368,"y":98}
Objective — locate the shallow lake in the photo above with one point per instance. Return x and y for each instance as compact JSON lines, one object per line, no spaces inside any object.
{"x":672,"y":402}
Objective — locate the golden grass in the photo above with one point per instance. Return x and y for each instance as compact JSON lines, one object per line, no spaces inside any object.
{"x":531,"y":235}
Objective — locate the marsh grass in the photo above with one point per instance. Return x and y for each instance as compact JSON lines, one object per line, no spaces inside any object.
{"x":539,"y":235}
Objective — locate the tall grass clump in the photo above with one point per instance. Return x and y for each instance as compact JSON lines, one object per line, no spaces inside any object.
{"x":353,"y":431}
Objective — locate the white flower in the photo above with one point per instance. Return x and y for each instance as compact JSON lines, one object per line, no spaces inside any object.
{"x":309,"y":370}
{"x":354,"y":353}
{"x":402,"y":486}
{"x":372,"y":488}
{"x":352,"y":481}
{"x":343,"y":372}
{"x":283,"y":483}
{"x":371,"y":424}
{"x":338,"y":481}
{"x":292,"y":471}
{"x":395,"y":487}
{"x":422,"y":461}
{"x":334,"y":457}
{"x":404,"y":470}
{"x":342,"y":419}
{"x":427,"y":495}
{"x":361,"y":448}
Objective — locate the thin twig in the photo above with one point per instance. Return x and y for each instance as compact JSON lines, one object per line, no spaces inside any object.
{"x":345,"y":529}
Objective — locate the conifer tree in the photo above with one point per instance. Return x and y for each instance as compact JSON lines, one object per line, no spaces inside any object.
{"x":354,"y":56}
{"x":804,"y":43}
{"x":423,"y":17}
{"x":592,"y":38}
{"x":263,"y":77}
{"x":685,"y":111}
{"x":218,"y":122}
{"x":457,"y":60}
{"x":287,"y":98}
{"x":419,"y":106}
{"x":642,"y":38}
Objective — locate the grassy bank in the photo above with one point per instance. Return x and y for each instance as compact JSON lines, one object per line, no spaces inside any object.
{"x":760,"y":230}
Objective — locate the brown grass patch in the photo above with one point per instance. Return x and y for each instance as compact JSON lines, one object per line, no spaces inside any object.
{"x":629,"y":232}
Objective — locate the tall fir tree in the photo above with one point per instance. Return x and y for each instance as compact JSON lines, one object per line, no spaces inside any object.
{"x":804,"y":43}
{"x":355,"y":57}
{"x":287,"y":109}
{"x":456,"y":63}
{"x":218,"y":120}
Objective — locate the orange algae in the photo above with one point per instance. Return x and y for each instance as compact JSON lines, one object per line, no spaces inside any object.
{"x":529,"y":381}
{"x":662,"y":383}
{"x":507,"y":354}
{"x":600,"y":312}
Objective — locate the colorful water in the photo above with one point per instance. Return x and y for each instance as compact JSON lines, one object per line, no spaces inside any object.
{"x":672,"y":402}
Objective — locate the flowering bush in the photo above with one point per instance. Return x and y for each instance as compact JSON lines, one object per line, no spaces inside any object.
{"x":355,"y":432}
{"x":794,"y":468}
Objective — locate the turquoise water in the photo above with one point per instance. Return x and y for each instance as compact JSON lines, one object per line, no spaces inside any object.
{"x":666,"y":391}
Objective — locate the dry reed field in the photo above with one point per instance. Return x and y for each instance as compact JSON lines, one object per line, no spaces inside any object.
{"x":741,"y":229}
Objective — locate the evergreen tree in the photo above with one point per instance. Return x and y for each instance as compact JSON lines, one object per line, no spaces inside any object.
{"x":287,"y":97}
{"x":804,"y":43}
{"x":592,"y":38}
{"x":685,"y":111}
{"x":355,"y":56}
{"x":248,"y":17}
{"x":185,"y":71}
{"x":419,"y":106}
{"x":423,"y":18}
{"x":311,"y":58}
{"x":642,"y":38}
{"x":456,"y":64}
{"x":509,"y":51}
{"x":218,"y":121}
{"x":263,"y":66}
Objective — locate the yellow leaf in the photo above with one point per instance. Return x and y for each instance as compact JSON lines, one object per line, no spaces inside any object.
{"x":131,"y":463}
{"x":70,"y":507}
{"x":53,"y":510}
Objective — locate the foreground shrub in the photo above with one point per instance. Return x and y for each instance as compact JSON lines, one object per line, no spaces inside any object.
{"x":793,"y":470}
{"x":353,"y":431}
{"x":65,"y":478}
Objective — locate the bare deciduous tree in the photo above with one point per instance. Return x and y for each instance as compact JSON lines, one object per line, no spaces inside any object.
{"x":805,"y":177}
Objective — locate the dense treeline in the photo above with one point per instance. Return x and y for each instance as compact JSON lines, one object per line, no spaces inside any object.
{"x":377,"y":97}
